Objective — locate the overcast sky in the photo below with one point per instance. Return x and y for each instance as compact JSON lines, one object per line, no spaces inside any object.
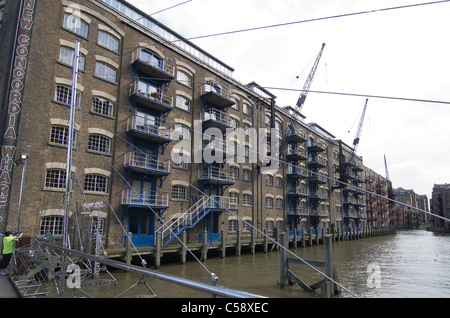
{"x":401,"y":53}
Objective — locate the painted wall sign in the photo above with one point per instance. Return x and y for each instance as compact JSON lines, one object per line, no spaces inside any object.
{"x":15,"y":99}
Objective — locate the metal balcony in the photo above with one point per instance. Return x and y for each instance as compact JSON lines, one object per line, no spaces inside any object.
{"x":137,"y":125}
{"x":151,"y":97}
{"x":151,"y":65}
{"x":214,"y":96}
{"x":146,"y":164}
{"x":131,"y":198}
{"x":296,"y":153}
{"x":213,"y":118}
{"x":298,"y":192}
{"x":215,"y":175}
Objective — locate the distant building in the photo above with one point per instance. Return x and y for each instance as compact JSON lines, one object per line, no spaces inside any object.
{"x":410,"y":218}
{"x":440,"y":205}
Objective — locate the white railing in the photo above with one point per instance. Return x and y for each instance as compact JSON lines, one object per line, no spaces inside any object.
{"x":217,"y":116}
{"x":145,"y":198}
{"x":210,"y":172}
{"x":212,"y":87}
{"x":151,"y":93}
{"x":153,"y":60}
{"x":300,"y":191}
{"x":138,"y":123}
{"x":140,"y":160}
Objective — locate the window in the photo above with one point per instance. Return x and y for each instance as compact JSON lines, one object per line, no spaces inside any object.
{"x":269,"y":180}
{"x":279,"y":182}
{"x":183,"y":103}
{"x":182,"y":132}
{"x":108,"y":41}
{"x":52,"y":224}
{"x":63,"y":95}
{"x":279,"y":203}
{"x":247,"y":175}
{"x":184,"y":78}
{"x":246,"y":226}
{"x":247,"y":109}
{"x":269,"y":202}
{"x":267,"y":120}
{"x":179,"y":192}
{"x":151,"y":59}
{"x":96,"y":183}
{"x":232,"y":225}
{"x":247,"y":199}
{"x":280,"y":224}
{"x":66,"y":58}
{"x":180,"y":161}
{"x":234,"y":172}
{"x":236,"y":103}
{"x":55,"y":179}
{"x":234,"y":123}
{"x":269,"y":225}
{"x":234,"y":198}
{"x":102,"y":106}
{"x":99,"y":143}
{"x":59,"y":134}
{"x":105,"y":72}
{"x":75,"y":25}
{"x":246,"y":128}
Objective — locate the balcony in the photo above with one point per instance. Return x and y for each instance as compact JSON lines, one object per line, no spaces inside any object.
{"x":295,"y":136}
{"x":296,"y":153}
{"x":150,"y":96}
{"x":214,"y":118}
{"x":137,"y":125}
{"x":316,"y":146}
{"x":298,"y":192}
{"x":152,"y":65}
{"x":131,"y":198}
{"x":317,"y":162}
{"x":297,"y":172}
{"x":320,"y":213}
{"x":215,"y":175}
{"x":146,"y":164}
{"x":318,"y":178}
{"x":319,"y":195}
{"x":301,"y":211}
{"x":214,"y":96}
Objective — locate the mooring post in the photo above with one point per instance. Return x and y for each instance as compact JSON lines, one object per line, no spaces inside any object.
{"x":204,"y":246}
{"x":283,"y":260}
{"x":128,"y":256}
{"x":223,"y":246}
{"x":326,"y":287}
{"x":183,"y":248}
{"x":238,"y":243}
{"x":252,"y":242}
{"x":265,"y":241}
{"x":158,"y":250}
{"x":303,"y":237}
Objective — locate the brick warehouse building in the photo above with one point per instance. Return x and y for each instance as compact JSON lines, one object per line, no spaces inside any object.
{"x":152,"y":112}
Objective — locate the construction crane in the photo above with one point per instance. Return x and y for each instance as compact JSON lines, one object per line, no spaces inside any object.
{"x":344,"y":165}
{"x":305,"y":90}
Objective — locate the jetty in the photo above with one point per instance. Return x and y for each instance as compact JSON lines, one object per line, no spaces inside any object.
{"x":205,"y":244}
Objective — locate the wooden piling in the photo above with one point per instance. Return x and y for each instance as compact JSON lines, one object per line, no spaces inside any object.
{"x":128,"y":256}
{"x":204,"y":252}
{"x":158,"y":250}
{"x":183,"y":250}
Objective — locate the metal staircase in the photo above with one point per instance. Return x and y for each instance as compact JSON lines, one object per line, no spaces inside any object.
{"x":174,"y":226}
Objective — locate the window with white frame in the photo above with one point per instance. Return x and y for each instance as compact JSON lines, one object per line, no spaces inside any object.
{"x":52,"y":224}
{"x":270,"y":225}
{"x":234,"y":172}
{"x":95,"y":183}
{"x":269,"y":202}
{"x":232,"y":226}
{"x":109,"y":41}
{"x":75,"y":25}
{"x":63,"y":95}
{"x":279,"y":224}
{"x":100,"y":144}
{"x":184,"y":78}
{"x":183,"y":103}
{"x":106,"y":72}
{"x":269,"y":180}
{"x":247,"y":199}
{"x":55,"y":179}
{"x":59,"y":136}
{"x":182,"y":132}
{"x":66,"y":57}
{"x":247,"y":109}
{"x":247,"y":175}
{"x":247,"y":226}
{"x":279,"y":182}
{"x":179,"y":192}
{"x":279,"y":203}
{"x":102,"y":106}
{"x":234,"y":197}
{"x":236,"y":103}
{"x":180,"y":161}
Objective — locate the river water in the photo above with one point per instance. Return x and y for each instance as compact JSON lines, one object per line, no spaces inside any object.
{"x":408,"y":264}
